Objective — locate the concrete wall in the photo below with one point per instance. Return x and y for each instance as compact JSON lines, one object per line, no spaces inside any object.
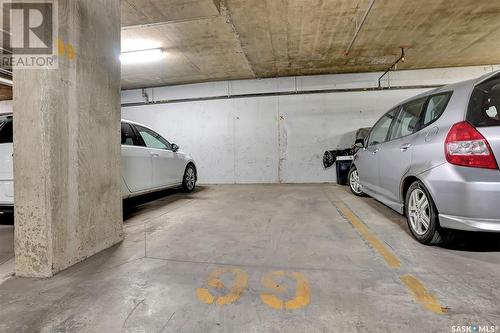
{"x":66,"y":145}
{"x":266,"y":139}
{"x":278,"y":138}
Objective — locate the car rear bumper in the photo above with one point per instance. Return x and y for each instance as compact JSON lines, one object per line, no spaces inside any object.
{"x":466,"y":198}
{"x":469,"y":224}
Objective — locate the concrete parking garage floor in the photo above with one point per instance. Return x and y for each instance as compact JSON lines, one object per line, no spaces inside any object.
{"x":265,"y":258}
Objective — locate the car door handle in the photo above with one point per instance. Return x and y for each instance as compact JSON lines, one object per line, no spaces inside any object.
{"x":405,"y":147}
{"x":375,"y":151}
{"x":155,"y":155}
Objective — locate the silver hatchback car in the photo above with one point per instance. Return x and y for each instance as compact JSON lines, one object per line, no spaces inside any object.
{"x":432,"y":158}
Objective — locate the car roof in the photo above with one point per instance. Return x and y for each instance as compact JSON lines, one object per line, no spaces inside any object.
{"x":467,"y":84}
{"x":131,"y":122}
{"x":486,"y":77}
{"x":136,"y":123}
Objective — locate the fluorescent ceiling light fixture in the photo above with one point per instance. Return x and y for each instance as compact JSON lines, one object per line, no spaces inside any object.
{"x":142,"y":56}
{"x":137,"y":44}
{"x":5,"y":81}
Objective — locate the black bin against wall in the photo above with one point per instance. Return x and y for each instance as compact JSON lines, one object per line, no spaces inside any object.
{"x":343,"y":166}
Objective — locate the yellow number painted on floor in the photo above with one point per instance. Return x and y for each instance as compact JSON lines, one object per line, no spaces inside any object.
{"x":240,"y":284}
{"x":302,"y":291}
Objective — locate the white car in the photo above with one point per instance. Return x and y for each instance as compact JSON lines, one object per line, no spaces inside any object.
{"x":149,"y":163}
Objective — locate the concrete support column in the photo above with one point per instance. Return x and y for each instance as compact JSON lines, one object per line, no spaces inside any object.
{"x":67,"y":154}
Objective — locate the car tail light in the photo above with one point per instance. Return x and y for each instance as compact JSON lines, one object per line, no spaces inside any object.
{"x":465,"y":146}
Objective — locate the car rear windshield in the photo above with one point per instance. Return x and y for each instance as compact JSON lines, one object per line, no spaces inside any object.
{"x":6,"y":129}
{"x":484,"y":105}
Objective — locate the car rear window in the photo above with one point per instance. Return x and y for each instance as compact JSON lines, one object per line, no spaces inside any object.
{"x":6,"y":134}
{"x":484,"y":105}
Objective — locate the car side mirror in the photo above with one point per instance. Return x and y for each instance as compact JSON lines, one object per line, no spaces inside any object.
{"x":360,"y":143}
{"x":175,"y":148}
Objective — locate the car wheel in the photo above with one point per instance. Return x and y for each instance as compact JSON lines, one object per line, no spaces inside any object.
{"x":189,"y":180}
{"x":422,"y":216}
{"x":354,"y":185}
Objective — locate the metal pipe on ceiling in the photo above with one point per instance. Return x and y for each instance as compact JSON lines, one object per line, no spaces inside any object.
{"x":370,"y":6}
{"x":5,"y":71}
{"x":394,"y":65}
{"x":282,"y":93}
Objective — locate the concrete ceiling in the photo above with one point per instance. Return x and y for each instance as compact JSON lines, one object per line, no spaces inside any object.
{"x":208,"y":40}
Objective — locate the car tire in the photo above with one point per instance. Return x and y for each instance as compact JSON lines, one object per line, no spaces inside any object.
{"x":420,"y":210}
{"x":189,"y":179}
{"x":353,"y":182}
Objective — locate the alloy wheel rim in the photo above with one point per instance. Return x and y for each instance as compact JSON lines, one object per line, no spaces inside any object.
{"x":354,"y":182}
{"x":419,"y":212}
{"x":190,"y":178}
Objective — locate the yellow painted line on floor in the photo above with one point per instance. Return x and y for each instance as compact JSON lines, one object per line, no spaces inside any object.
{"x":416,"y":288}
{"x":389,"y":257}
{"x":422,"y":295}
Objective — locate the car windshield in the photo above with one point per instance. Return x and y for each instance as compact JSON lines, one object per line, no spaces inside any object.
{"x":6,"y":135}
{"x":484,"y":106}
